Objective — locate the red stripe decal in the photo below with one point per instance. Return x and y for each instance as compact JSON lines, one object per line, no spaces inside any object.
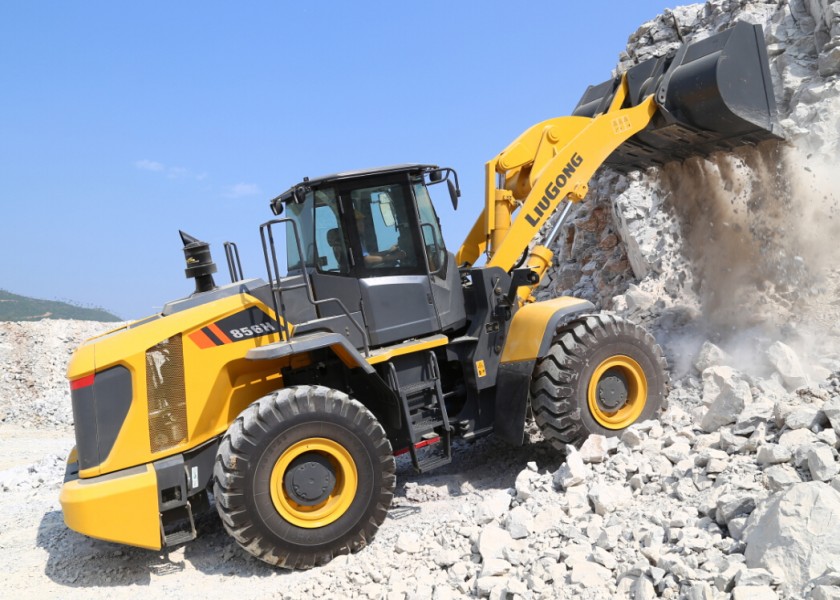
{"x":81,"y":382}
{"x":201,"y":340}
{"x":419,"y":445}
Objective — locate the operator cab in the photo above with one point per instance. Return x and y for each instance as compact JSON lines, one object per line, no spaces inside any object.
{"x":372,"y":241}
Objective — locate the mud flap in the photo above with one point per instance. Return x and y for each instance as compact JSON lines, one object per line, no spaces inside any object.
{"x":713,"y":94}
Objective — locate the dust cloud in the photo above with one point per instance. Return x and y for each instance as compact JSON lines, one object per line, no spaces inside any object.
{"x":760,"y":232}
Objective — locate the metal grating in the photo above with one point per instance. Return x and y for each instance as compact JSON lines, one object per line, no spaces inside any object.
{"x":166,"y":394}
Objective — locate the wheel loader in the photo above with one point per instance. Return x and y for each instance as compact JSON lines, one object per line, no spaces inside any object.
{"x":285,"y":400}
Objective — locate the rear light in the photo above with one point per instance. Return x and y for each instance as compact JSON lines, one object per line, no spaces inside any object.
{"x":81,"y":382}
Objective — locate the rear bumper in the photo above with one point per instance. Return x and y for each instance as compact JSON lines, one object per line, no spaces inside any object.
{"x":118,"y":507}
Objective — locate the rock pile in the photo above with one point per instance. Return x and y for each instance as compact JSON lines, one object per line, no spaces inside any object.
{"x":33,"y":387}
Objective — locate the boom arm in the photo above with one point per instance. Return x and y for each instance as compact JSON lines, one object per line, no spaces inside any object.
{"x":711,"y":94}
{"x":550,"y":162}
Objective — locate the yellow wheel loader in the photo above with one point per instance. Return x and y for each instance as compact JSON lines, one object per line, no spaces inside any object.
{"x":285,"y":400}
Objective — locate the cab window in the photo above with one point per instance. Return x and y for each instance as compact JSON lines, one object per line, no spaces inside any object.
{"x":430,"y":229}
{"x":384,"y":227}
{"x":321,"y":237}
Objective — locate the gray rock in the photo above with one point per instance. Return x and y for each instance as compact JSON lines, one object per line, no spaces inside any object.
{"x":731,"y":506}
{"x":520,"y":523}
{"x":710,"y":356}
{"x":805,"y":417}
{"x":643,"y":589}
{"x":796,"y":533}
{"x":780,"y":477}
{"x":831,"y":410}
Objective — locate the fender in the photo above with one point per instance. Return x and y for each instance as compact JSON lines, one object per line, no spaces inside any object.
{"x":531,"y":333}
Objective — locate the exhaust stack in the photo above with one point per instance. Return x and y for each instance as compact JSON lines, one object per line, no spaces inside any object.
{"x":200,"y":265}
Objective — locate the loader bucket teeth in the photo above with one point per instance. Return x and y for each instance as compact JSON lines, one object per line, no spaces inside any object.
{"x":713,"y":94}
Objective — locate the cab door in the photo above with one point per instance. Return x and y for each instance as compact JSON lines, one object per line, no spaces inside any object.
{"x":396,"y":294}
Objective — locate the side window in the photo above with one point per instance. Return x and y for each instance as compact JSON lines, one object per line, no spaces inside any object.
{"x":384,"y":227}
{"x":430,"y":228}
{"x":329,"y":238}
{"x":301,"y":214}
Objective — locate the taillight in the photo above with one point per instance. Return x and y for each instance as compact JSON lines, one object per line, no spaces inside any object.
{"x":81,"y":382}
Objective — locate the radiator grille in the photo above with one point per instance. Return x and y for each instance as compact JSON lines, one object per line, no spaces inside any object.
{"x":166,"y":394}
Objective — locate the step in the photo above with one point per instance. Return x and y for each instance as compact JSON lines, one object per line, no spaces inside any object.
{"x":433,"y":462}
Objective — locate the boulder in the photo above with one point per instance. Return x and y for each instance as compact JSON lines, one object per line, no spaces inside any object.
{"x":787,"y":364}
{"x":796,"y":533}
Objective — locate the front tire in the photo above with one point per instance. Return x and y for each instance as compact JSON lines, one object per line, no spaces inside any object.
{"x":303,"y":476}
{"x":601,"y":375}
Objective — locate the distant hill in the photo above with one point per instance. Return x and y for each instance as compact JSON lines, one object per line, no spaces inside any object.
{"x":21,"y":308}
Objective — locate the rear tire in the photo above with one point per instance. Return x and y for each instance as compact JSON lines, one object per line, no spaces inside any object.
{"x":303,"y":476}
{"x":601,"y":375}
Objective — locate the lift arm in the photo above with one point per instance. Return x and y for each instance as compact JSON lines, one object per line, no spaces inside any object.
{"x":550,"y":162}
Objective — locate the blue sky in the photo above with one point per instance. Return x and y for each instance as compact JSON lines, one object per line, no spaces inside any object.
{"x":124,"y":122}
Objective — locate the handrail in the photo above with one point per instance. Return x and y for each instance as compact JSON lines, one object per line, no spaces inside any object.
{"x":274,"y":279}
{"x":234,"y":265}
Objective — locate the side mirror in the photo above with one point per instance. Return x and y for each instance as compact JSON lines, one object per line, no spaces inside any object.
{"x":454,"y":193}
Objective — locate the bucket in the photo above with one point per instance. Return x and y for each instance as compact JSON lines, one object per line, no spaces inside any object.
{"x":713,"y":94}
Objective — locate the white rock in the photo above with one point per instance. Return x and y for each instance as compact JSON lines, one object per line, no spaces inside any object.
{"x":590,"y":574}
{"x":572,"y":472}
{"x":796,"y":533}
{"x":786,"y":363}
{"x":493,"y":507}
{"x":754,"y":592}
{"x":494,"y":567}
{"x":492,"y":542}
{"x":594,"y":449}
{"x":821,"y":463}
{"x":728,"y":395}
{"x":408,"y":543}
{"x":773,"y":454}
{"x":607,"y":498}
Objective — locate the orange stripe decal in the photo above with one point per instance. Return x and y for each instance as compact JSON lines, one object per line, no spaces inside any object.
{"x":219,"y":333}
{"x":201,"y":340}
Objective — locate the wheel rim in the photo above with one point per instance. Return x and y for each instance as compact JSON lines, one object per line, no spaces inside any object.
{"x":301,"y":491}
{"x":617,"y":392}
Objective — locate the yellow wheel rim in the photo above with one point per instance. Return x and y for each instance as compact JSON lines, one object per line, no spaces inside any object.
{"x":339,"y":499}
{"x":610,"y":413}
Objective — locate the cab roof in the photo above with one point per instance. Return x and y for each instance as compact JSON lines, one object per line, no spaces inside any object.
{"x":349,"y":175}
